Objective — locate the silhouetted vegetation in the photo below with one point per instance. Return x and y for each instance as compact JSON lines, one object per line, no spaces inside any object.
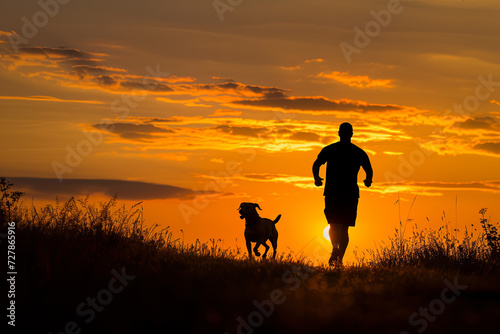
{"x":66,"y":253}
{"x":475,"y":252}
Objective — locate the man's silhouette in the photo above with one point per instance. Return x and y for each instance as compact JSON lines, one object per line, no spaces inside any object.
{"x":341,"y":189}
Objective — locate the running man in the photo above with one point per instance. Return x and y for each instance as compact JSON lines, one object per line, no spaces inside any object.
{"x":341,"y":189}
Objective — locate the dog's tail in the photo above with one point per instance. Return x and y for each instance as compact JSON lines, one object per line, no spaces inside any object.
{"x":277,"y":219}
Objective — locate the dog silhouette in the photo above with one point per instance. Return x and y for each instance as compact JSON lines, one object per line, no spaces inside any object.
{"x":258,"y":229}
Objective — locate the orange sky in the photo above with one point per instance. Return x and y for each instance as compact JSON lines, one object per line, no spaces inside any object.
{"x":156,"y":100}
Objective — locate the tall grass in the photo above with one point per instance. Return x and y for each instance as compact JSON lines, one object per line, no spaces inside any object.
{"x":106,"y":227}
{"x":102,"y":228}
{"x":441,"y":248}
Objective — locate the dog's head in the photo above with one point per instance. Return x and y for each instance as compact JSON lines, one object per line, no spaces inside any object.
{"x":248,"y":209}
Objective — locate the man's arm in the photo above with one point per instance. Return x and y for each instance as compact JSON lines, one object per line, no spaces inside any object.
{"x":367,"y":167}
{"x":318,"y":181}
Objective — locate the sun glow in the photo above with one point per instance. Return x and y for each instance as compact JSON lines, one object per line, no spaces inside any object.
{"x":326,"y":232}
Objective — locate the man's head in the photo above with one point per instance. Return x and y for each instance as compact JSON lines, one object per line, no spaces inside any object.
{"x":345,"y":131}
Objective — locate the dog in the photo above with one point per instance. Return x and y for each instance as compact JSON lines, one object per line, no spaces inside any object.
{"x":258,"y":229}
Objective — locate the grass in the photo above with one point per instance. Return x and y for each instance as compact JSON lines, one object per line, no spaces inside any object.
{"x":66,"y":253}
{"x":441,"y":249}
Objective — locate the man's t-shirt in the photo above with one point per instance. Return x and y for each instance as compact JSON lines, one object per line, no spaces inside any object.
{"x":343,"y":163}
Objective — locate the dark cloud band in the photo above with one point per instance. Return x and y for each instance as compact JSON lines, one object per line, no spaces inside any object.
{"x":46,"y":188}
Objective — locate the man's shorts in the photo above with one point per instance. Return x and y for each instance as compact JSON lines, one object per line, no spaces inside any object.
{"x":341,"y":210}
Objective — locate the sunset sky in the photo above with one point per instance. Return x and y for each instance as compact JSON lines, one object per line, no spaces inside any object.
{"x":196,"y":106}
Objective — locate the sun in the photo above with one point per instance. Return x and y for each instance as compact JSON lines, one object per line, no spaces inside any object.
{"x":326,"y":233}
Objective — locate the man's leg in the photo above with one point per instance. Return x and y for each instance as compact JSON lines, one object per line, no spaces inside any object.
{"x":335,"y":234}
{"x":336,"y":237}
{"x":349,"y":219}
{"x":344,"y":240}
{"x":339,"y":238}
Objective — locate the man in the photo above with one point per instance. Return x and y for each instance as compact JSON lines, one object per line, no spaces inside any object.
{"x":341,"y":189}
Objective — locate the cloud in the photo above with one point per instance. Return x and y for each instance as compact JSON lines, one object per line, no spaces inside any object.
{"x":435,"y":188}
{"x":47,"y":99}
{"x":132,"y":131}
{"x":244,"y":131}
{"x":199,"y":133}
{"x":315,"y":105}
{"x":145,"y":86}
{"x":47,"y":188}
{"x":272,"y":135}
{"x":299,"y":181}
{"x":477,"y":123}
{"x":6,"y":33}
{"x":317,"y":60}
{"x":223,"y":79}
{"x":306,"y":136}
{"x":80,"y":69}
{"x":63,"y":65}
{"x":187,"y":103}
{"x":225,"y":133}
{"x":358,"y":81}
{"x":226,"y":112}
{"x":291,"y":68}
{"x":178,"y":120}
{"x":478,"y":135}
{"x":137,"y":153}
{"x":426,"y":188}
{"x":298,"y":67}
{"x":269,"y":177}
{"x":67,"y":53}
{"x":489,"y":147}
{"x":86,"y":70}
{"x":222,"y":130}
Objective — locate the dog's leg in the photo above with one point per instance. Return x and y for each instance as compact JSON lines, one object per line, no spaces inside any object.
{"x":274,"y":242}
{"x":249,"y":248}
{"x":256,"y":249}
{"x":275,"y":247}
{"x":267,"y":248}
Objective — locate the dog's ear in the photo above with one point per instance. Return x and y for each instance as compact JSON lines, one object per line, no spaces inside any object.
{"x":257,"y":206}
{"x":239,"y":207}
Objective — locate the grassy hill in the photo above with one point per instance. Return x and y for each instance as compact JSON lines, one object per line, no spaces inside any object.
{"x":97,"y":268}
